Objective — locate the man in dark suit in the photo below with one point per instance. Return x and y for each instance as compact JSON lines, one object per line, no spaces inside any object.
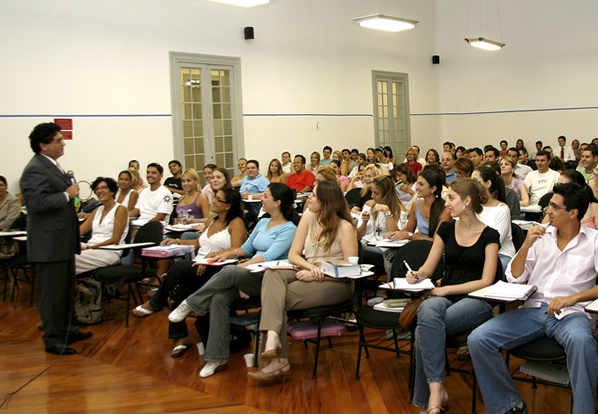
{"x":52,"y":237}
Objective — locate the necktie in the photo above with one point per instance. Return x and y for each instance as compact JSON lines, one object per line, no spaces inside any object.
{"x":562,"y":153}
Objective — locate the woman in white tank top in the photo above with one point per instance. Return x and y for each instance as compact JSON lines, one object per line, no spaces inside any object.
{"x":108,"y":223}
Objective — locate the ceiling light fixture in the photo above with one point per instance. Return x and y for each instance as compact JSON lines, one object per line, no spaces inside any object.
{"x":243,"y":3}
{"x":485,"y":44}
{"x":382,"y":22}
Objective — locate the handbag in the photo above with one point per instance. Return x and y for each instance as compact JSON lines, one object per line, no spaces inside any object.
{"x":409,"y":314}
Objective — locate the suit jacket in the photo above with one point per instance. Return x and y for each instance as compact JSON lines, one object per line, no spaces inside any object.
{"x":52,"y":224}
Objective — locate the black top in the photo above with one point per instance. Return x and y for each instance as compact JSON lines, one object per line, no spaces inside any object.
{"x":175,"y":183}
{"x":464,"y":264}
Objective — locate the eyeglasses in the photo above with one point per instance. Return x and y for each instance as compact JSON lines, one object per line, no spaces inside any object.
{"x":554,"y":207}
{"x":220,"y":201}
{"x":101,"y":187}
{"x":57,"y":141}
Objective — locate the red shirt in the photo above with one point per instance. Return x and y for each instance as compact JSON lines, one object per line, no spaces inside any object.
{"x":299,"y":181}
{"x":416,"y":167}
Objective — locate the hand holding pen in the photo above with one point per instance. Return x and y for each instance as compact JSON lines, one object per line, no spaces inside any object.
{"x":412,"y":277}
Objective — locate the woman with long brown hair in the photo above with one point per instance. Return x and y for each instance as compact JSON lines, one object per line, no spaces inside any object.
{"x":275,"y":174}
{"x":325,"y":232}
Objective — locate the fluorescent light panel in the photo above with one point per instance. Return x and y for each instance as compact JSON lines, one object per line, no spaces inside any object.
{"x":243,"y":3}
{"x":382,"y":22}
{"x":485,"y":44}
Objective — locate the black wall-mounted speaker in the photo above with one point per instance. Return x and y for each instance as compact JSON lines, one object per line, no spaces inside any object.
{"x":436,"y":59}
{"x":249,"y":33}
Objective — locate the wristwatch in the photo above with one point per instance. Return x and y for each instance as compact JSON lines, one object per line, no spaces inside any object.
{"x":410,"y":235}
{"x":388,"y":214}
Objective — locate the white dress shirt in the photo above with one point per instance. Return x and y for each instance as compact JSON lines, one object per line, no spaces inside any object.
{"x":560,"y":273}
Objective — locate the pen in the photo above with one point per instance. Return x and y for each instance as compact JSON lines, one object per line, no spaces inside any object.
{"x":407,"y":266}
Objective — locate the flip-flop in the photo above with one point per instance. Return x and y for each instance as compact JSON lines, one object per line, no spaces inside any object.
{"x":145,"y":312}
{"x":181,"y":349}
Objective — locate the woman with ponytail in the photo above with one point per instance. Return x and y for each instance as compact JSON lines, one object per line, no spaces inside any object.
{"x":427,"y":213}
{"x":470,"y":250}
{"x":270,"y":240}
{"x":495,"y":212}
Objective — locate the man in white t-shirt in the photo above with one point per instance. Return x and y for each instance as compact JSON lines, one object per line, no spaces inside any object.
{"x":542,"y":181}
{"x":154,"y":204}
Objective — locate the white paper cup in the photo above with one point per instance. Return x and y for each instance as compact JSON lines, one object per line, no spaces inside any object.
{"x":250,"y":197}
{"x":201,"y":348}
{"x":354,"y":259}
{"x":249,"y":358}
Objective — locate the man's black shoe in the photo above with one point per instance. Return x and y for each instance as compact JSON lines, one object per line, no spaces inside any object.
{"x":78,"y":336}
{"x":57,"y":350}
{"x":518,"y":410}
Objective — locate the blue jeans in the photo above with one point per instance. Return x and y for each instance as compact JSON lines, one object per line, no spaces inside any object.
{"x":519,"y":326}
{"x":437,"y":318}
{"x":217,"y":296}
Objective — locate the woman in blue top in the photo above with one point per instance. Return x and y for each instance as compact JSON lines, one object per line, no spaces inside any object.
{"x":271,"y":240}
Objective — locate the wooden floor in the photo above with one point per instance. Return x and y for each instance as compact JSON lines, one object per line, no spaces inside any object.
{"x":130,"y":370}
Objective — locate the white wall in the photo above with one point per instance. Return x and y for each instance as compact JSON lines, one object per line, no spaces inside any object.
{"x":69,"y":58}
{"x":550,"y":61}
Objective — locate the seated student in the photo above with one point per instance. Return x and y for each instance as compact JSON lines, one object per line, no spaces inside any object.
{"x":471,"y":253}
{"x":476,"y":156}
{"x":270,"y":240}
{"x":448,"y":164}
{"x":287,"y":165}
{"x":589,"y":160}
{"x":136,"y":181}
{"x":315,"y":163}
{"x":226,"y":230}
{"x":491,"y":154}
{"x":503,"y":148}
{"x":411,"y":157}
{"x":326,"y":232}
{"x":427,"y":213}
{"x":301,"y":180}
{"x":382,"y":214}
{"x":463,"y":167}
{"x":383,"y":159}
{"x":242,"y":165}
{"x":155,"y":204}
{"x":357,"y":180}
{"x":524,"y":164}
{"x":495,"y":212}
{"x":369,"y":173}
{"x":432,"y":157}
{"x":512,"y":181}
{"x":557,"y":164}
{"x":207,"y":190}
{"x":359,"y":159}
{"x":344,"y":181}
{"x":326,"y":152}
{"x":562,"y":261}
{"x":511,"y":197}
{"x":590,"y":220}
{"x":173,"y":184}
{"x":389,"y":156}
{"x":405,"y":183}
{"x":192,"y":205}
{"x":126,"y":195}
{"x":460,"y":152}
{"x":275,"y":173}
{"x":253,"y":184}
{"x":109,"y":224}
{"x":134,"y":164}
{"x":10,"y":206}
{"x":347,"y":163}
{"x":541,"y":181}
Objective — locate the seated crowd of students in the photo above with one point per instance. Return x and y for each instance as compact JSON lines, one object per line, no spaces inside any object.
{"x":463,"y":201}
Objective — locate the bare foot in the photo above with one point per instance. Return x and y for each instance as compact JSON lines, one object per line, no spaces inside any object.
{"x":149,"y":309}
{"x":272,"y":341}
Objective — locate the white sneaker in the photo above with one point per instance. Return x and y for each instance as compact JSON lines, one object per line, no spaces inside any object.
{"x":180,"y":313}
{"x":209,"y":368}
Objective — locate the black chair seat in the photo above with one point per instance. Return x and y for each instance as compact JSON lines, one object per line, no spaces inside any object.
{"x":20,"y":261}
{"x":457,"y":340}
{"x":367,"y":316}
{"x":325,"y":310}
{"x":542,"y":349}
{"x":121,"y":273}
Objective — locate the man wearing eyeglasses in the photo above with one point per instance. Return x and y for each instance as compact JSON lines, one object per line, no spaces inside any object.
{"x":561,"y":260}
{"x":52,"y":237}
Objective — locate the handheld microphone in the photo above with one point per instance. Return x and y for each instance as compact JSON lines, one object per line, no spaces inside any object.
{"x":71,"y":175}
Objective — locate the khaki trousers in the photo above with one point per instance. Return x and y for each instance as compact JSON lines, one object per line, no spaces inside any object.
{"x":281,"y":292}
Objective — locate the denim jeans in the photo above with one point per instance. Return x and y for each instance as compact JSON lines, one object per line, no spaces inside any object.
{"x":519,"y":326}
{"x":217,"y":296}
{"x":437,"y":318}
